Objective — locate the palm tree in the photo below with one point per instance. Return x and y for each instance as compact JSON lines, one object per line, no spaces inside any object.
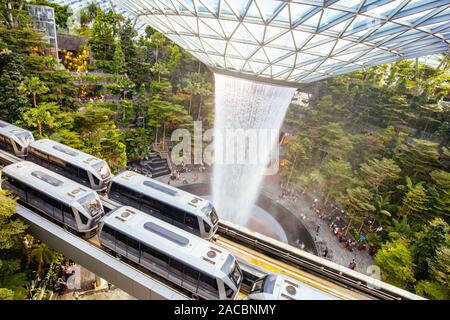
{"x":33,"y":86}
{"x":42,"y":254}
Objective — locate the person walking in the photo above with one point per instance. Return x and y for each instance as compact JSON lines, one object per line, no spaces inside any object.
{"x":325,"y":252}
{"x":317,"y":229}
{"x":352,"y":264}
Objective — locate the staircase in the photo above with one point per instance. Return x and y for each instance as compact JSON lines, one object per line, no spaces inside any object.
{"x":157,"y":165}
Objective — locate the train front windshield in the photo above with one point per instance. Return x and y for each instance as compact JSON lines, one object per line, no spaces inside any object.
{"x":24,"y":136}
{"x":92,"y":204}
{"x":211,"y":212}
{"x":102,"y":168}
{"x":236,"y":275}
{"x":266,"y":284}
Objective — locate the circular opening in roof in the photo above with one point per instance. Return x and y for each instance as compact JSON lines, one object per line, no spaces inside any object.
{"x":125,"y":214}
{"x":291,"y":290}
{"x":194,"y":200}
{"x":211,"y":254}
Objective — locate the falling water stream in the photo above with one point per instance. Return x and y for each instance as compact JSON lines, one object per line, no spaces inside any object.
{"x":253,"y":112}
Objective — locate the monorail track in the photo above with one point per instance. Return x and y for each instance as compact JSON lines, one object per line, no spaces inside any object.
{"x":274,"y":256}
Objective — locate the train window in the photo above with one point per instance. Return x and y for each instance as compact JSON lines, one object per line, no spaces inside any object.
{"x":83,"y":218}
{"x":177,"y":215}
{"x":191,"y":275}
{"x":191,"y":221}
{"x":147,"y":249}
{"x":176,"y":265}
{"x":67,"y":210}
{"x":206,"y":226}
{"x":84,"y":176}
{"x":117,"y":190}
{"x":133,"y":244}
{"x":54,"y":203}
{"x":108,"y":231}
{"x":96,"y":180}
{"x":228,"y":291}
{"x":121,"y":237}
{"x":160,"y":258}
{"x":208,"y":283}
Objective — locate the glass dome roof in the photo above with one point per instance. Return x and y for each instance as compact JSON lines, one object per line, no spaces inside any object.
{"x":298,"y":41}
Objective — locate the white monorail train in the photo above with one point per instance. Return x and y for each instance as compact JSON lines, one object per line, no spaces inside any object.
{"x":282,"y":287}
{"x":175,"y":206}
{"x":204,"y":269}
{"x":75,"y":206}
{"x":81,"y":167}
{"x":14,"y":139}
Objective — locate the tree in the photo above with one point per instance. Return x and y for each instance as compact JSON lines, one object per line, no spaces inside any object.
{"x":197,"y":84}
{"x":33,"y":86}
{"x":376,"y":172}
{"x":104,"y":32}
{"x":159,"y":68}
{"x":419,"y":157}
{"x":397,"y":264}
{"x":13,"y":12}
{"x":118,"y":59}
{"x":42,"y":254}
{"x":428,"y":243}
{"x":357,"y":205}
{"x":10,"y":229}
{"x":157,"y":40}
{"x":441,"y":203}
{"x":12,"y":282}
{"x":339,"y":177}
{"x":12,"y":101}
{"x":88,"y":14}
{"x":439,"y":286}
{"x":40,"y":118}
{"x":414,"y":203}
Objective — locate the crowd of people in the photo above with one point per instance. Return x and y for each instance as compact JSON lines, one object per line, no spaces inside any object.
{"x":176,"y":174}
{"x":66,"y":271}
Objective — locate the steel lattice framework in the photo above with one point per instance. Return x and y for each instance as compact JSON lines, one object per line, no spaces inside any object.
{"x":299,"y":41}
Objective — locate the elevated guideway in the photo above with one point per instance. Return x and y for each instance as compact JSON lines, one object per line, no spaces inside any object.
{"x":135,"y":282}
{"x":252,"y":249}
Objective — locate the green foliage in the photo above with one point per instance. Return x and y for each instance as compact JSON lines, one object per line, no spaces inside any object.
{"x":104,"y":32}
{"x":414,"y":204}
{"x":13,"y":13}
{"x":40,"y":118}
{"x":339,"y":175}
{"x":357,"y":203}
{"x":42,"y":255}
{"x":428,"y":242}
{"x":12,"y":101}
{"x":10,"y":228}
{"x":118,"y":59}
{"x":396,"y":262}
{"x":376,"y":172}
{"x":33,"y":86}
{"x":418,"y":157}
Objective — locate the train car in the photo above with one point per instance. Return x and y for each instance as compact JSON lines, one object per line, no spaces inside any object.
{"x":14,"y":140}
{"x":282,"y":287}
{"x":175,"y":206}
{"x":81,"y":167}
{"x":73,"y":205}
{"x":197,"y":265}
